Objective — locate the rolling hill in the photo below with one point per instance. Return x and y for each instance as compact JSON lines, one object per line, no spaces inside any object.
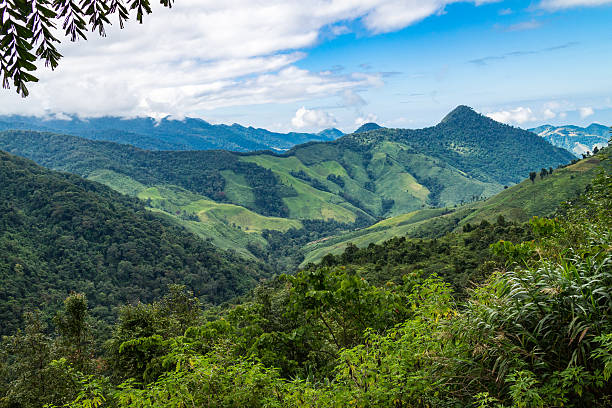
{"x":517,"y":204}
{"x":355,"y":180}
{"x":60,"y":233}
{"x":575,"y":139}
{"x":167,"y":134}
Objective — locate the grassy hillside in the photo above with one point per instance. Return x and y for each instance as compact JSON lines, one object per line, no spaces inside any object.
{"x":60,"y":233}
{"x":517,"y":203}
{"x":227,"y":226}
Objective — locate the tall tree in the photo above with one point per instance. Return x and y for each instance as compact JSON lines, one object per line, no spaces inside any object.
{"x":75,"y":339}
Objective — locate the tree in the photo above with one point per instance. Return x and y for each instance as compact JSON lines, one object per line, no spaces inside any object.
{"x":27,"y":31}
{"x":73,"y":326}
{"x":30,"y":379}
{"x":532,"y":176}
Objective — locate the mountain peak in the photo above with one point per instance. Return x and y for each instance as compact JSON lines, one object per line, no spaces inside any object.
{"x":366,"y":127}
{"x":460,"y":113}
{"x":330,"y":134}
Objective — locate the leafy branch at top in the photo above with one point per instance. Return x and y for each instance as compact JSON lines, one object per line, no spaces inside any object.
{"x":29,"y":29}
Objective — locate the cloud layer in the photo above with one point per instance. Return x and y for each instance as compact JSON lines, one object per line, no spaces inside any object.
{"x":205,"y":54}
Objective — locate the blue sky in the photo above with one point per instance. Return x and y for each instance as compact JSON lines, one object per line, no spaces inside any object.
{"x":307,"y":65}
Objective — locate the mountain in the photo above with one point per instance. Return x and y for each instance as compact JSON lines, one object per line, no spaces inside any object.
{"x":515,"y":204}
{"x":356,"y":180}
{"x":60,"y":233}
{"x":366,"y":127}
{"x":167,"y":134}
{"x":576,"y":139}
{"x":329,"y":134}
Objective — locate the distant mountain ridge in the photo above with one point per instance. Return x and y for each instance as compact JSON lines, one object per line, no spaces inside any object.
{"x":168,"y":134}
{"x":575,"y":139}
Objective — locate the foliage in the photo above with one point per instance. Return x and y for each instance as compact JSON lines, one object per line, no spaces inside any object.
{"x":535,"y":334}
{"x":28,"y":31}
{"x":462,"y":259}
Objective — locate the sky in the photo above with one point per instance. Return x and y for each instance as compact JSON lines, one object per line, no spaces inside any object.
{"x":307,"y":65}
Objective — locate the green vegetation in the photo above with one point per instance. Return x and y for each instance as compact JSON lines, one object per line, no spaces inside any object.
{"x":516,"y":204}
{"x":528,"y":326}
{"x":60,"y":233}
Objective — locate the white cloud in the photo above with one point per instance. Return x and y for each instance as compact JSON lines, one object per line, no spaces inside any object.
{"x":370,"y":117}
{"x":564,"y":4}
{"x":516,"y":116}
{"x":549,"y":114}
{"x":312,"y":118}
{"x":524,"y":26}
{"x":586,"y":112}
{"x":205,"y":54}
{"x":352,"y":99}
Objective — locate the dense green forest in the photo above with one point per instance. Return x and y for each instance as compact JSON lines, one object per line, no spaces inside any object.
{"x":517,"y":316}
{"x":60,"y":233}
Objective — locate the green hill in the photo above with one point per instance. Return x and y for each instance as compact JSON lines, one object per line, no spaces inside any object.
{"x":60,"y":233}
{"x":517,"y":204}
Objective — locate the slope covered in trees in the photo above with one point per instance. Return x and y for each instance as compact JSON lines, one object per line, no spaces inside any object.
{"x":60,"y":233}
{"x":378,"y":173}
{"x":535,"y":332}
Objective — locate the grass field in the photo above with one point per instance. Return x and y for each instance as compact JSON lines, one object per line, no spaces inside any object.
{"x":228,"y":226}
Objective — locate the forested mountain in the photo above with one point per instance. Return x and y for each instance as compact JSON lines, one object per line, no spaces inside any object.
{"x":576,"y":139}
{"x":60,"y":233}
{"x":167,"y":134}
{"x":354,"y":181}
{"x":366,"y":127}
{"x":377,"y":173}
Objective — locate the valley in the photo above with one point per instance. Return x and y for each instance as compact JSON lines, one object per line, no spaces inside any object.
{"x":289,"y":204}
{"x":356,"y":181}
